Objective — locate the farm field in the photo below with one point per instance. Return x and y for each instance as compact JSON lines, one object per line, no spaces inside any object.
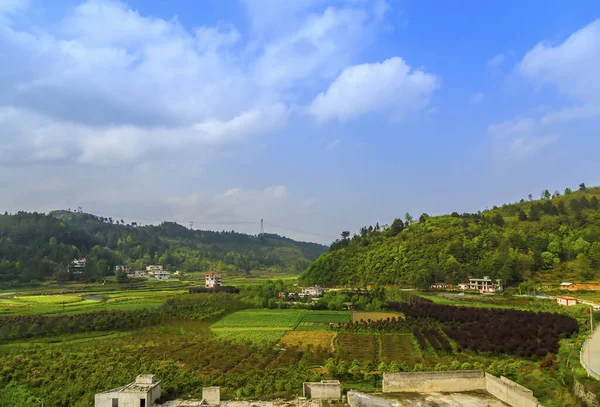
{"x":305,"y":338}
{"x":397,"y":348}
{"x":363,"y":348}
{"x":68,"y":304}
{"x":373,"y":316}
{"x":321,"y":320}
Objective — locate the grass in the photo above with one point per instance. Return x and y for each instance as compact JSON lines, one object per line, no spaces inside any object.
{"x":261,"y":318}
{"x":397,"y":348}
{"x":363,"y":348}
{"x":373,"y":316}
{"x":68,"y":304}
{"x":305,"y":338}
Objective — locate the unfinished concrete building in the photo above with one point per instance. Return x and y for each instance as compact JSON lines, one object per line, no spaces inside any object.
{"x":143,"y":392}
{"x":323,"y":390}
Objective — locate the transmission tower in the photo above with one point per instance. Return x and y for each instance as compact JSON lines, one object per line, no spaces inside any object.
{"x":262,"y":228}
{"x":191,"y":224}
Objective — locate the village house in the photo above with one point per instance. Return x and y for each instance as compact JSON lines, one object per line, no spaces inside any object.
{"x":315,"y":291}
{"x":212,"y":280}
{"x":485,"y":285}
{"x":441,"y":286}
{"x":124,"y":269}
{"x":566,"y":301}
{"x":143,"y":392}
{"x":565,"y":286}
{"x":463,"y":286}
{"x":76,"y":268}
{"x":580,"y":286}
{"x":157,"y":272}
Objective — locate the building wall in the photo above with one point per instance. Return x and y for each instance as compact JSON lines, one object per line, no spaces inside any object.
{"x":423,"y":382}
{"x":131,"y":399}
{"x":357,"y":399}
{"x":105,"y":399}
{"x":211,"y":395}
{"x":154,"y":394}
{"x":323,"y":390}
{"x":510,"y":392}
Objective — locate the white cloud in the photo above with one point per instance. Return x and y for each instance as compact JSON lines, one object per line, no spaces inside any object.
{"x":276,"y":192}
{"x":496,"y":61}
{"x":477,"y":98}
{"x":571,"y":67}
{"x":333,"y":144}
{"x":572,"y":113}
{"x":390,"y":86}
{"x":519,"y":138}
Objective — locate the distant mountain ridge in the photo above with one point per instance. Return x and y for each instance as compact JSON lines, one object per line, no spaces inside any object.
{"x":35,"y":246}
{"x":556,"y":238}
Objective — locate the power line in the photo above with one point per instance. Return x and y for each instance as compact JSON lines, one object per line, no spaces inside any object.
{"x":299,"y":231}
{"x":195,"y":222}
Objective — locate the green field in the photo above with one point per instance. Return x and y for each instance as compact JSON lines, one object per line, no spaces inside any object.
{"x":74,"y":303}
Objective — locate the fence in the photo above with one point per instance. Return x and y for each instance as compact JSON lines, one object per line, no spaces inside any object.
{"x":588,"y":368}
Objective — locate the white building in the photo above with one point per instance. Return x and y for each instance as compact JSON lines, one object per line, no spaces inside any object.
{"x":315,"y":291}
{"x":77,"y":267}
{"x":141,"y":393}
{"x":161,"y":275}
{"x":485,"y":285}
{"x":212,"y":280}
{"x":463,"y":286}
{"x":565,"y":285}
{"x":566,"y":301}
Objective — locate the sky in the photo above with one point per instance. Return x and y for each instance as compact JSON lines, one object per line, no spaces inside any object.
{"x":316,"y":116}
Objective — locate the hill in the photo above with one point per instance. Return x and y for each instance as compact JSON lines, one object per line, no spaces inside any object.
{"x":551,"y":239}
{"x":35,"y":246}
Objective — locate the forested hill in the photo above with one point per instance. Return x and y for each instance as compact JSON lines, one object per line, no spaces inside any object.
{"x":35,"y":246}
{"x":552,"y":239}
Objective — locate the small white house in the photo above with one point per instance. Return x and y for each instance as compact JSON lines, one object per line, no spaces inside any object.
{"x":565,"y":285}
{"x":566,"y":301}
{"x":141,"y":393}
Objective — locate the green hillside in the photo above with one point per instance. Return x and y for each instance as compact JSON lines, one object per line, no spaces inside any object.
{"x":37,"y":247}
{"x":551,"y":239}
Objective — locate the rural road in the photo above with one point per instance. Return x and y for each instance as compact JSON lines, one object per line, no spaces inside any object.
{"x":591,"y":353}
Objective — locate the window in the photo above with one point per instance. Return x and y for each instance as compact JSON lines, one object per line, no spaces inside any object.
{"x":142,"y":403}
{"x":115,"y":402}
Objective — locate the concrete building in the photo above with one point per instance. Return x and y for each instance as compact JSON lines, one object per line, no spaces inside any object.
{"x":212,"y":280}
{"x":154,"y":268}
{"x":76,"y":268}
{"x":211,"y":396}
{"x":323,"y":390}
{"x":485,"y":285}
{"x":141,"y":393}
{"x":161,"y":275}
{"x":124,"y":269}
{"x":315,"y":291}
{"x":441,"y":286}
{"x":566,"y":301}
{"x":463,"y":286}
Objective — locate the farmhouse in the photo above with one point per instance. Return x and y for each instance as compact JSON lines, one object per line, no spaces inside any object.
{"x":582,"y":286}
{"x":76,"y":268}
{"x":143,"y":392}
{"x":566,"y":301}
{"x":212,"y":280}
{"x":124,"y":269}
{"x":463,"y":286}
{"x":441,"y":286}
{"x":485,"y":285}
{"x":565,"y":286}
{"x":315,"y":291}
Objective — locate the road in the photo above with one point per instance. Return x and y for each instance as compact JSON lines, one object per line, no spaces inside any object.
{"x":591,"y":353}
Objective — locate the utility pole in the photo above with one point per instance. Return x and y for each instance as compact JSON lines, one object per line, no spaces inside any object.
{"x":262,"y":228}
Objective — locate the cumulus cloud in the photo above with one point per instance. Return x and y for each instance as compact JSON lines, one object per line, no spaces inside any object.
{"x":390,"y":86}
{"x":571,"y":66}
{"x":495,"y":61}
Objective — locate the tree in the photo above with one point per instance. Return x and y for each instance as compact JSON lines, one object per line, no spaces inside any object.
{"x":342,"y":369}
{"x":408,"y":219}
{"x":382,"y":368}
{"x":546,"y":194}
{"x":122,"y":277}
{"x":498,"y":220}
{"x":423,"y":217}
{"x":530,"y":197}
{"x":345,"y":235}
{"x":568,"y":191}
{"x":594,"y":203}
{"x":582,"y":187}
{"x":522,"y":215}
{"x":396,"y":228}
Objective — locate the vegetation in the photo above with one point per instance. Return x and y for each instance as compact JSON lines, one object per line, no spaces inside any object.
{"x":555,"y":238}
{"x":37,"y":247}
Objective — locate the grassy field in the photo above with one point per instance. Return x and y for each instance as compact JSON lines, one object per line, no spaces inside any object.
{"x":373,"y":316}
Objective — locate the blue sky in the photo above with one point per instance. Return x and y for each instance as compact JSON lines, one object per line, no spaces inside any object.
{"x":318,"y":116}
